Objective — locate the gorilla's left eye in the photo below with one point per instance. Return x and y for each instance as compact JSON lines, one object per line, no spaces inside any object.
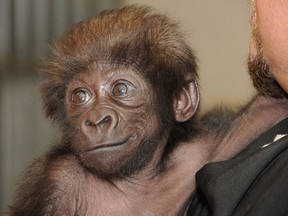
{"x":122,"y":88}
{"x":80,"y":96}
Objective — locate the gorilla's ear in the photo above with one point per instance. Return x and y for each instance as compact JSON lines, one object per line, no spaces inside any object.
{"x":186,"y":102}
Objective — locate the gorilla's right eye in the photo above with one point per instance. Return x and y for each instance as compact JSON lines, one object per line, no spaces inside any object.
{"x":80,"y":96}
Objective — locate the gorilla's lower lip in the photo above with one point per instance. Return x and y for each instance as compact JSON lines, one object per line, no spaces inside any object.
{"x":108,"y":145}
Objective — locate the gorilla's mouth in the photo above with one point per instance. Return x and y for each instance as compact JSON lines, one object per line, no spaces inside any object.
{"x":108,"y":145}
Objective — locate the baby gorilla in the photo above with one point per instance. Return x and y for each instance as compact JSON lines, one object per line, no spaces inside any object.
{"x":122,"y":86}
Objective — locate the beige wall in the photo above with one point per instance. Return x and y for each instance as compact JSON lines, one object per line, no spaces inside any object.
{"x":219,"y":32}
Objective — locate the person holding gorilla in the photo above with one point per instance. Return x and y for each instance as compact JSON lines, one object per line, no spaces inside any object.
{"x":123,"y":87}
{"x":255,"y":181}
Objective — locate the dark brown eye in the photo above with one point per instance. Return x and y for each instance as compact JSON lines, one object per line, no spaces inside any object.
{"x":80,"y":96}
{"x":121,"y":89}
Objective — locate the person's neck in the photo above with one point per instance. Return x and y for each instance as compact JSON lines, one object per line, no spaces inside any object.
{"x":259,"y":116}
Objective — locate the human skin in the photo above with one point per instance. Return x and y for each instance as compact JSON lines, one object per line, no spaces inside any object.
{"x":270,"y":20}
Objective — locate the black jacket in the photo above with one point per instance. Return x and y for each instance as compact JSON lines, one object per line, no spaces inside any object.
{"x":253,"y":183}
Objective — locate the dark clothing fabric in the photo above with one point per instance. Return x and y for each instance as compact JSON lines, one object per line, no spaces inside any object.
{"x":253,"y":183}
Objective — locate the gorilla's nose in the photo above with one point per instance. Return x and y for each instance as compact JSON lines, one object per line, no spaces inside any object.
{"x":99,"y":121}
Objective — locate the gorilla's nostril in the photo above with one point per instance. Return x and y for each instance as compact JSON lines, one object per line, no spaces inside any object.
{"x":99,"y":123}
{"x":89,"y":123}
{"x":104,"y":120}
